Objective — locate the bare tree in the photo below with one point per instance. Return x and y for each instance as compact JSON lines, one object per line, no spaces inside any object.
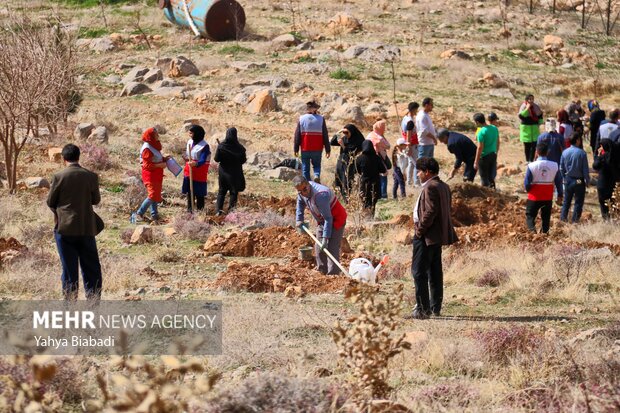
{"x":37,"y":83}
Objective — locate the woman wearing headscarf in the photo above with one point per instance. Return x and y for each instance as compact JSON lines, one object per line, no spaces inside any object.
{"x":531,"y":117}
{"x":350,"y":140}
{"x":381,"y":146}
{"x":565,"y":128}
{"x":370,"y":167}
{"x":153,"y":164}
{"x":603,"y":163}
{"x":231,"y":156}
{"x":197,"y":158}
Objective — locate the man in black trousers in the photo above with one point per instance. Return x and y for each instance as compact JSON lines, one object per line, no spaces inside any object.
{"x":73,"y":193}
{"x":433,"y":229}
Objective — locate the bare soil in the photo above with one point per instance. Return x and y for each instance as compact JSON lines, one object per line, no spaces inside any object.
{"x":264,"y":242}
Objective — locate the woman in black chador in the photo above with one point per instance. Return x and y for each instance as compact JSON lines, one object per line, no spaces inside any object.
{"x":230,"y":155}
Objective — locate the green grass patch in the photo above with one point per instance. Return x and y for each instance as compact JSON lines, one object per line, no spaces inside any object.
{"x":342,"y":74}
{"x":116,"y":189}
{"x":600,"y":65}
{"x":235,"y":49}
{"x":484,"y":29}
{"x":305,"y":59}
{"x":92,"y":32}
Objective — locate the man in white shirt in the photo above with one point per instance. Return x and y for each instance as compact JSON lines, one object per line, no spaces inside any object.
{"x":407,"y":128}
{"x":427,"y":136}
{"x":605,"y":130}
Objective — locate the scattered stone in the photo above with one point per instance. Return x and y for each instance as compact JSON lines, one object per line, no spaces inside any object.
{"x":375,"y":109}
{"x":169,"y":83}
{"x":112,"y":79}
{"x":153,"y":75}
{"x":55,"y":154}
{"x":295,"y":106}
{"x":298,"y":87}
{"x":494,"y":81}
{"x":556,"y":91}
{"x":378,"y":52}
{"x":102,"y":44}
{"x":331,"y":102}
{"x":315,"y":68}
{"x":501,"y":93}
{"x":164,"y":64}
{"x":264,"y":101}
{"x":169,"y":231}
{"x":181,"y":66}
{"x":286,"y":40}
{"x":284,"y":174}
{"x":242,"y":98}
{"x":349,"y":113}
{"x":135,"y":75}
{"x":99,"y":135}
{"x":83,"y":43}
{"x":568,"y":66}
{"x":239,"y":65}
{"x":169,"y":92}
{"x":83,"y":130}
{"x":305,"y":46}
{"x":142,"y":234}
{"x":404,"y":237}
{"x":35,"y":182}
{"x":125,"y":66}
{"x":343,"y":23}
{"x":588,"y":335}
{"x":553,"y":43}
{"x":455,"y":54}
{"x":135,"y":88}
{"x":266,"y":159}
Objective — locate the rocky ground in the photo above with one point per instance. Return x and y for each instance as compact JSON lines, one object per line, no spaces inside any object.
{"x":517,"y":305}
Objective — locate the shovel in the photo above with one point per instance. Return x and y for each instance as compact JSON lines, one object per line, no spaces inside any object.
{"x":329,"y":254}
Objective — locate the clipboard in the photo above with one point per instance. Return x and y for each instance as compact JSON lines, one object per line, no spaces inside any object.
{"x":174,"y":167}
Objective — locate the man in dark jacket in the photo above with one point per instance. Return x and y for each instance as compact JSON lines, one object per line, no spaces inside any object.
{"x":433,"y":229}
{"x":597,"y":115}
{"x":73,"y":193}
{"x":464,"y":151}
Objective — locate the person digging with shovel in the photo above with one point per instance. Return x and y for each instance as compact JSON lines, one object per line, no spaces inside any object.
{"x":330,"y":216}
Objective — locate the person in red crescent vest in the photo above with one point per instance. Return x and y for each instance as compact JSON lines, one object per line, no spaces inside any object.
{"x":330,"y":216}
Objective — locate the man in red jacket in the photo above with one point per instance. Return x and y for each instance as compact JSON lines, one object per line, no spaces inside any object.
{"x":311,"y":137}
{"x":433,"y":229}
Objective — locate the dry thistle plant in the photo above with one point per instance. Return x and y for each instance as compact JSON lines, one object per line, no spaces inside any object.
{"x":144,"y":385}
{"x":367,"y":343}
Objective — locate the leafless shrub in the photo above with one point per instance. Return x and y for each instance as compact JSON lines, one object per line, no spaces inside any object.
{"x":503,"y":343}
{"x":95,"y":157}
{"x":493,"y":278}
{"x":37,"y":234}
{"x":367,"y":343}
{"x":271,"y":393}
{"x":456,"y":394}
{"x":126,"y":235}
{"x":191,"y":227}
{"x":38,"y":383}
{"x":569,"y":264}
{"x":169,"y":255}
{"x":37,"y":76}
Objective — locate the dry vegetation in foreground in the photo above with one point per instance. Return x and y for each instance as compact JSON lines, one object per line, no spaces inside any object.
{"x":530,"y":323}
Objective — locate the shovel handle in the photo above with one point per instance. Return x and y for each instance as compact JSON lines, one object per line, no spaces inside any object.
{"x":326,"y":251}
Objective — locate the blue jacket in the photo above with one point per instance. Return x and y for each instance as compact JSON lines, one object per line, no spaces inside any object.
{"x":574,"y":164}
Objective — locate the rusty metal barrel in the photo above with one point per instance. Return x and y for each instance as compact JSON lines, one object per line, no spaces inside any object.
{"x":215,"y":19}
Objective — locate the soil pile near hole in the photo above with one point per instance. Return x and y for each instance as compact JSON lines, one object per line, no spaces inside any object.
{"x":263,"y":242}
{"x":283,"y":206}
{"x":294,"y":279}
{"x":483,"y":216}
{"x":10,"y":249}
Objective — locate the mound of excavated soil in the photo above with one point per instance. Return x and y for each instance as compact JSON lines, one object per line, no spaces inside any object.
{"x":284,"y":206}
{"x":293,"y":279}
{"x":262,"y":242}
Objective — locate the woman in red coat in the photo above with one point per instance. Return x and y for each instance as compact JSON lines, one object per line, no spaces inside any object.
{"x":153,"y":164}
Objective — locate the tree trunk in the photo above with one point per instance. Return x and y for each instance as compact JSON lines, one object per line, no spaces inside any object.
{"x":583,"y":15}
{"x":608,"y":23}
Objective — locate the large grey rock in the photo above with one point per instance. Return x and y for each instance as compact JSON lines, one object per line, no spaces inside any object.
{"x":135,"y":88}
{"x":331,"y":102}
{"x":305,"y":46}
{"x":501,"y":93}
{"x":169,"y":83}
{"x":141,"y":235}
{"x":242,"y":98}
{"x":135,"y":75}
{"x":83,"y":130}
{"x":315,"y":68}
{"x":266,"y":159}
{"x":99,"y":135}
{"x":153,"y":75}
{"x":171,"y":92}
{"x":286,"y":40}
{"x":102,"y":44}
{"x":181,"y":66}
{"x":378,"y":52}
{"x":285,"y":174}
{"x":239,"y":65}
{"x":349,"y":113}
{"x":36,"y":182}
{"x":295,"y":106}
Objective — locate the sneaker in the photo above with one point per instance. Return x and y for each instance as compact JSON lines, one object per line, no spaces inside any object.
{"x":419,"y":315}
{"x":137,"y":218}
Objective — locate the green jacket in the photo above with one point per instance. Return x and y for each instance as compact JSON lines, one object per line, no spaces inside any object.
{"x":529,"y":133}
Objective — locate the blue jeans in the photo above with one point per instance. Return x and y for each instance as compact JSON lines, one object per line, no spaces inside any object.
{"x":82,"y":250}
{"x":145,"y":205}
{"x":383,"y":184}
{"x":306,"y":159}
{"x":573,"y":188}
{"x":426,"y":151}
